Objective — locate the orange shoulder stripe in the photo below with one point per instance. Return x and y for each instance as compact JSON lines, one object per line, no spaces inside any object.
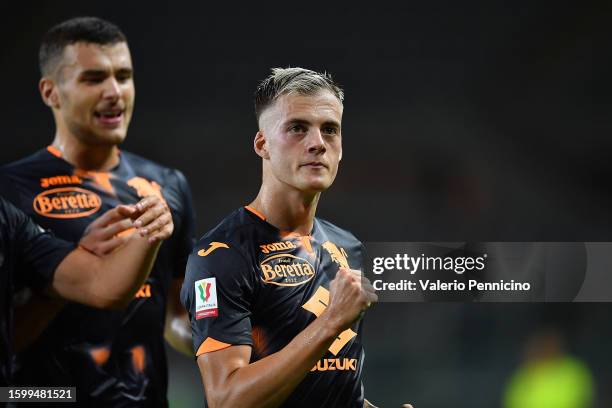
{"x":209,"y":345}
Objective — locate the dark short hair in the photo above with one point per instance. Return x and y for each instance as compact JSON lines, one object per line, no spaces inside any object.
{"x":302,"y":81}
{"x":79,"y":29}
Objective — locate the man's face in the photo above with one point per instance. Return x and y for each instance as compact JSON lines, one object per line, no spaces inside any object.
{"x":95,"y":92}
{"x":303,"y":140}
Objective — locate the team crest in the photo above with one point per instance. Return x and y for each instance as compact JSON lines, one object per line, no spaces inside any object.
{"x":206,"y":298}
{"x":337,"y":255}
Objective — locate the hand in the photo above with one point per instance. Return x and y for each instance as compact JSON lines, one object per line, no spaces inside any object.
{"x":156,"y":219}
{"x":101,"y":237}
{"x":350,"y":294}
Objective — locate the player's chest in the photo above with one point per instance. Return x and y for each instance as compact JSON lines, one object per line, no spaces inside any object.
{"x":67,"y":201}
{"x":291,"y":273}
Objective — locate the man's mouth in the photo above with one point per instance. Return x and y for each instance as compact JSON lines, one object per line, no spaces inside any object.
{"x":110,"y":116}
{"x":315,"y":165}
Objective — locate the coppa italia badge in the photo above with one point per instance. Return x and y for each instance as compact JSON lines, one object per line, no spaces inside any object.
{"x":206,"y":298}
{"x":286,"y":270}
{"x":67,"y":202}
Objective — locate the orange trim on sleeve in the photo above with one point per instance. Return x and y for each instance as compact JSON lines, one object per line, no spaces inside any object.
{"x":209,"y":345}
{"x":100,"y":355}
{"x":254,"y":211}
{"x":54,"y":151}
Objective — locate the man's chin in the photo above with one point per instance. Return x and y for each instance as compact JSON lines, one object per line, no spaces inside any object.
{"x":315,"y":187}
{"x":108,"y":138}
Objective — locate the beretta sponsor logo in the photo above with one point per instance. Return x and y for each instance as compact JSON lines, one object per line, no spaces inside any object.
{"x":286,"y":270}
{"x":67,"y":202}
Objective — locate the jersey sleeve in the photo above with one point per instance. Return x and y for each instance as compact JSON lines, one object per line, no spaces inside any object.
{"x":37,"y":251}
{"x":185,"y":234}
{"x":217,"y":293}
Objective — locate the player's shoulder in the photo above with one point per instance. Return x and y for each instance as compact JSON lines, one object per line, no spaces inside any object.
{"x":15,"y":175}
{"x":336,"y":233}
{"x":236,"y":230}
{"x":220,"y":253}
{"x":150,"y":168}
{"x":39,"y":158}
{"x":172,"y":181}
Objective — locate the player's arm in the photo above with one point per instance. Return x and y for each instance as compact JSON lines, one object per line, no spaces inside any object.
{"x":177,"y":331}
{"x":229,"y":379}
{"x":101,"y":237}
{"x":112,"y":280}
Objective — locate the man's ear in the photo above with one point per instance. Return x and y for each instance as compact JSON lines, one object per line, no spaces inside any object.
{"x":49,"y":92}
{"x":260,"y":145}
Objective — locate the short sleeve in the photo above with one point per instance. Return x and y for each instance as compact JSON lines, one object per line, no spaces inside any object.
{"x":37,"y":252}
{"x":217,"y":293}
{"x":185,"y":233}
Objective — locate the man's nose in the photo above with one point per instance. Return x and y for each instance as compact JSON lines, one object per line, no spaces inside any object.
{"x":316,"y":143}
{"x":111,"y":89}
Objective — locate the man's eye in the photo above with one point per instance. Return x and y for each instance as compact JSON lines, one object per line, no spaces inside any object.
{"x":93,"y":80}
{"x":124,"y":77}
{"x":330,"y":130}
{"x":297,"y":129}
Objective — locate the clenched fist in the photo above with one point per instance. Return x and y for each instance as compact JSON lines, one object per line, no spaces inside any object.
{"x":350,"y":294}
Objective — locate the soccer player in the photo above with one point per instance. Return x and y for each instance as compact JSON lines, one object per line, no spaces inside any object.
{"x":77,"y":273}
{"x":114,"y":358}
{"x":275,"y":295}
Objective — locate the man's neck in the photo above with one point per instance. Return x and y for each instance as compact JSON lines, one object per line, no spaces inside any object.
{"x":289,"y":211}
{"x":86,"y":157}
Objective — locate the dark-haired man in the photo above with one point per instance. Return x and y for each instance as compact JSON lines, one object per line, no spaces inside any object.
{"x":114,"y":358}
{"x":275,"y":295}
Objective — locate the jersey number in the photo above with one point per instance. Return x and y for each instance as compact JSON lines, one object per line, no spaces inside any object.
{"x":316,"y":305}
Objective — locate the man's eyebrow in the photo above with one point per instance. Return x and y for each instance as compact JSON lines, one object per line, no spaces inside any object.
{"x":332,"y":123}
{"x":297,"y":121}
{"x":94,"y":73}
{"x":125,"y":70}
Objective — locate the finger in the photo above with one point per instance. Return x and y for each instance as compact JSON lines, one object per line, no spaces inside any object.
{"x":407,"y":406}
{"x":157,"y":224}
{"x":162,"y":235}
{"x":367,"y":287}
{"x":116,"y":228}
{"x":147,"y":203}
{"x":342,"y":272}
{"x":356,"y":275}
{"x":112,"y":215}
{"x":356,"y":272}
{"x":364,"y":280}
{"x":126,"y":210}
{"x":150,"y":215}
